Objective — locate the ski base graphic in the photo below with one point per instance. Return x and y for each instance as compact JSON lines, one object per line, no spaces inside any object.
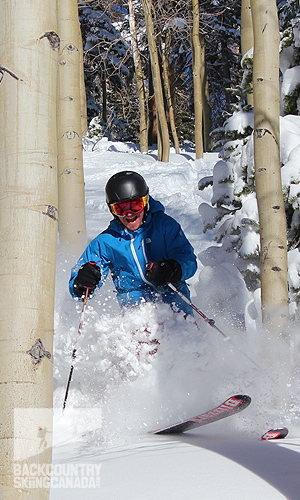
{"x":231,"y":406}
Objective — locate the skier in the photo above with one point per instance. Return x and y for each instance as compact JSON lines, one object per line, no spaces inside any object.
{"x":144,"y":249}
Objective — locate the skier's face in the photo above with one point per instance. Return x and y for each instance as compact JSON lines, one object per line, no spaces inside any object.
{"x":132,"y":220}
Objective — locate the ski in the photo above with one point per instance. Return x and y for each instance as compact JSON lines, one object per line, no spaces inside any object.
{"x":232,"y":405}
{"x":279,"y":433}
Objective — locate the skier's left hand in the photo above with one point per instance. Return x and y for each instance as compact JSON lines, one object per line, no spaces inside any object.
{"x":161,"y":273}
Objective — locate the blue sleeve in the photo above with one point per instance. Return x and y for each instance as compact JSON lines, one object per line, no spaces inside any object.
{"x":179,"y":248}
{"x":91,"y":254}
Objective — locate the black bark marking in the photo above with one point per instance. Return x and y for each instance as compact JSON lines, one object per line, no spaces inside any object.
{"x":51,"y":212}
{"x":275,"y":268}
{"x":259,"y":133}
{"x":53,"y":39}
{"x":264,"y":253}
{"x":70,"y":48}
{"x":38,"y":352}
{"x":71,"y":134}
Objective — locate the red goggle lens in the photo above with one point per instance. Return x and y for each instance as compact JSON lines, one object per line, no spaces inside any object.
{"x":123,"y":207}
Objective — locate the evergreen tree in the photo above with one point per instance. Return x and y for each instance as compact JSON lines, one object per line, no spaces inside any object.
{"x":234,"y":206}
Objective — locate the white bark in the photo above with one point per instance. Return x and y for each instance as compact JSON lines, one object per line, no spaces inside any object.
{"x":205,"y":96}
{"x":72,"y":229}
{"x":163,"y":131}
{"x":247,"y":40}
{"x":28,"y":231}
{"x":197,"y":78}
{"x":139,"y":79}
{"x":246,"y":27}
{"x":83,"y":105}
{"x":167,"y":87}
{"x":267,"y":163}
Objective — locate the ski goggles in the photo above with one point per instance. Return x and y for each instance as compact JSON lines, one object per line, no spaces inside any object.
{"x":136,"y":205}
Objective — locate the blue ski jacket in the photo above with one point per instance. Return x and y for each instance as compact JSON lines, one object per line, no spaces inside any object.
{"x":125,"y":253}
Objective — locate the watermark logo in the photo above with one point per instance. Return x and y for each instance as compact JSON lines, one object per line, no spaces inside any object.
{"x":32,"y":432}
{"x":33,"y":441}
{"x":33,"y":429}
{"x":68,"y":476}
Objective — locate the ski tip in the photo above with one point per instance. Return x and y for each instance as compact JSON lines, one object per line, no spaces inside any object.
{"x":245,"y":400}
{"x":278,"y":433}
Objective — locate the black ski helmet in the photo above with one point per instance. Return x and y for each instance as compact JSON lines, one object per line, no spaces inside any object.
{"x":125,"y":186}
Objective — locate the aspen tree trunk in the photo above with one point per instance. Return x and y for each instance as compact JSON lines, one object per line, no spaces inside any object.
{"x":163,"y":131}
{"x":159,"y":140}
{"x":246,"y":34}
{"x":28,"y":235}
{"x":72,"y":229}
{"x":272,"y":217}
{"x":206,"y":103}
{"x":83,"y":105}
{"x":167,"y":87}
{"x":139,"y":75}
{"x":198,"y":101}
{"x":152,"y":130}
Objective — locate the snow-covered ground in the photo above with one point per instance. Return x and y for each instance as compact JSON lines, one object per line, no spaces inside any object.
{"x":120,"y":392}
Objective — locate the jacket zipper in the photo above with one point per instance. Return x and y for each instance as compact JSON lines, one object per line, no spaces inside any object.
{"x":137,"y":260}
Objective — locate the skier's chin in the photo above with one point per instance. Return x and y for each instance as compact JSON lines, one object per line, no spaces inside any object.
{"x":132,"y":219}
{"x":133,"y":222}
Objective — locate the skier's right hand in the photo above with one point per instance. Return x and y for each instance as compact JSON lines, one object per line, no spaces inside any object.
{"x":88,"y":276}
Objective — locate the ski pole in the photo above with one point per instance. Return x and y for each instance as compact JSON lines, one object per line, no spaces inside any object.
{"x":211,"y":322}
{"x":75,"y":348}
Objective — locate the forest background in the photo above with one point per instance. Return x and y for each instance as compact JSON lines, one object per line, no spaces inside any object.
{"x":227,"y":117}
{"x":112,"y":97}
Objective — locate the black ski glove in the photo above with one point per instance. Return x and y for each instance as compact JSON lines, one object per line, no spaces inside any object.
{"x":88,"y":276}
{"x":161,"y":273}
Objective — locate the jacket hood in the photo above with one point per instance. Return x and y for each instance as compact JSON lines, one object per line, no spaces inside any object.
{"x":154,"y":206}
